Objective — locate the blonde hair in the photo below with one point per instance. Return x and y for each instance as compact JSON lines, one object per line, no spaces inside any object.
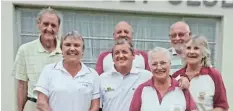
{"x":203,"y":43}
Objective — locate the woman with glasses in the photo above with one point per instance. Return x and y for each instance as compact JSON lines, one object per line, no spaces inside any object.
{"x":161,"y":92}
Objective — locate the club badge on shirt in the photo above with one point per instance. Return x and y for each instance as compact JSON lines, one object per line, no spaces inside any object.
{"x":108,"y":89}
{"x":201,"y":96}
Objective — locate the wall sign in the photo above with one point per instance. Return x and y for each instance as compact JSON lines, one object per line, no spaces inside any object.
{"x":193,"y":3}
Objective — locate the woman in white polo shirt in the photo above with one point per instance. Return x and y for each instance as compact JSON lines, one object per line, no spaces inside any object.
{"x":161,"y":92}
{"x":206,"y":85}
{"x":68,"y":85}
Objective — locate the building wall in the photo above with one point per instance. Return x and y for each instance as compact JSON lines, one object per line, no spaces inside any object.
{"x":223,"y":41}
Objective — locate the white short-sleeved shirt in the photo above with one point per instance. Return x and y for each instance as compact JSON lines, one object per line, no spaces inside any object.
{"x":117,"y":90}
{"x":67,"y":93}
{"x":176,"y":61}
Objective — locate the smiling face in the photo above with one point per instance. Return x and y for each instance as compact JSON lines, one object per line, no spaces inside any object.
{"x":179,"y":35}
{"x":72,"y":49}
{"x":123,"y":30}
{"x":48,"y":26}
{"x":193,"y":52}
{"x":160,"y":65}
{"x":122,"y":56}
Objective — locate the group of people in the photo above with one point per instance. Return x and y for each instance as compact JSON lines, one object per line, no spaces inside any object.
{"x":52,"y":77}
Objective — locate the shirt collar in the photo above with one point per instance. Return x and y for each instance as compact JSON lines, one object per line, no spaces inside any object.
{"x":173,"y":85}
{"x":41,"y":48}
{"x":84,"y":69}
{"x":133,"y":70}
{"x":173,"y":51}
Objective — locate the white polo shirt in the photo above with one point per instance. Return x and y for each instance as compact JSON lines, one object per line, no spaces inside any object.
{"x":207,"y":89}
{"x":117,"y":90}
{"x":148,"y":98}
{"x":66,"y":93}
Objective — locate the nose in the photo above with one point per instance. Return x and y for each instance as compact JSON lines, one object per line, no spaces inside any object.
{"x":72,"y":48}
{"x":121,"y":55}
{"x":177,"y":37}
{"x":122,"y":33}
{"x":49,"y":28}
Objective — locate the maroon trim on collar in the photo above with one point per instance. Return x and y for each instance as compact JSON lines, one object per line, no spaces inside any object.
{"x":203,"y":71}
{"x":174,"y":84}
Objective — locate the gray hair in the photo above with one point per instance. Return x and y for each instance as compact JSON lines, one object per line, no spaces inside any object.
{"x":72,"y":34}
{"x":158,"y":49}
{"x":48,"y":10}
{"x":122,"y":41}
{"x":203,"y":43}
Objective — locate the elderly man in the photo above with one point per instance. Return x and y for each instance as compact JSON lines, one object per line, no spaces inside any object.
{"x":105,"y":60}
{"x":179,"y":35}
{"x":33,"y":56}
{"x":119,"y":83}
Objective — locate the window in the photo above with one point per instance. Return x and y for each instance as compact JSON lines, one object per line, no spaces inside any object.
{"x":97,"y":28}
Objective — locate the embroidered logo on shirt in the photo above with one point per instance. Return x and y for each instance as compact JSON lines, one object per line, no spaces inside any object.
{"x":201,"y":96}
{"x":109,"y":89}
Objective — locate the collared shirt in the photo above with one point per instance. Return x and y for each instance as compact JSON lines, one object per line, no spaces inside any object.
{"x":148,"y":98}
{"x":31,"y":59}
{"x":207,"y":89}
{"x":105,"y":61}
{"x":67,"y":93}
{"x":176,"y":61}
{"x":117,"y":90}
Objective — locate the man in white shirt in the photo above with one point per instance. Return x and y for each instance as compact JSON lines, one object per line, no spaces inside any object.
{"x":119,"y":83}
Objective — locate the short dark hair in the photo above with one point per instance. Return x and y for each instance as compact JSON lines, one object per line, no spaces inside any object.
{"x":122,"y":41}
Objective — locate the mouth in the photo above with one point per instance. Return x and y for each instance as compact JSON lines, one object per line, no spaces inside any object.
{"x":193,"y":56}
{"x":160,"y":72}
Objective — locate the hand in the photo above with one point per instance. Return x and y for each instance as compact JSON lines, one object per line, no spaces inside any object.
{"x":184,"y":82}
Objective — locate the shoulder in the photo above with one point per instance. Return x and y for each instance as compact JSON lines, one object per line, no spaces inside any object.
{"x":145,"y":74}
{"x":105,"y":53}
{"x":141,"y":52}
{"x":106,"y":74}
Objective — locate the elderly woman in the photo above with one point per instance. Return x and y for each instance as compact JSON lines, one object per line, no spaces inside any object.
{"x":161,"y":92}
{"x":206,"y":84}
{"x":68,"y":85}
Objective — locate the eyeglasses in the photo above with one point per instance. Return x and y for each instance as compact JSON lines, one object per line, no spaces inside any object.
{"x":180,"y":34}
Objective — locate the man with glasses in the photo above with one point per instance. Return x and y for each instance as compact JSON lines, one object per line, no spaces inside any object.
{"x":179,"y":34}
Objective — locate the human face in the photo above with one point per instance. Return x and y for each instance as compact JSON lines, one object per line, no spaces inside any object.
{"x":72,"y":49}
{"x":193,"y":53}
{"x":123,"y":30}
{"x":179,"y":35}
{"x":48,"y":26}
{"x":122,"y":56}
{"x":160,"y":65}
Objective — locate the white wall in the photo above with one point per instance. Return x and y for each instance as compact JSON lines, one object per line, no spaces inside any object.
{"x":226,"y":36}
{"x":8,"y":83}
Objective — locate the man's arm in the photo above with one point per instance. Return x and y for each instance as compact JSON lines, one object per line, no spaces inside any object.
{"x":22,"y":94}
{"x":43,"y":102}
{"x":95,"y":105}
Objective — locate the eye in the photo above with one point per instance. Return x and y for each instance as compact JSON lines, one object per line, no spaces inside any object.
{"x":116,"y":53}
{"x":124,"y":52}
{"x":126,"y":31}
{"x":45,"y":23}
{"x":76,"y":45}
{"x":163,"y":62}
{"x":181,"y":34}
{"x":53,"y":25}
{"x":118,"y":32}
{"x":196,"y":48}
{"x":67,"y":44}
{"x":155,"y":64}
{"x":188,"y":47}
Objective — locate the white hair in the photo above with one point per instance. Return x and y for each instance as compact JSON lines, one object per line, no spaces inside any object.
{"x":158,"y":49}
